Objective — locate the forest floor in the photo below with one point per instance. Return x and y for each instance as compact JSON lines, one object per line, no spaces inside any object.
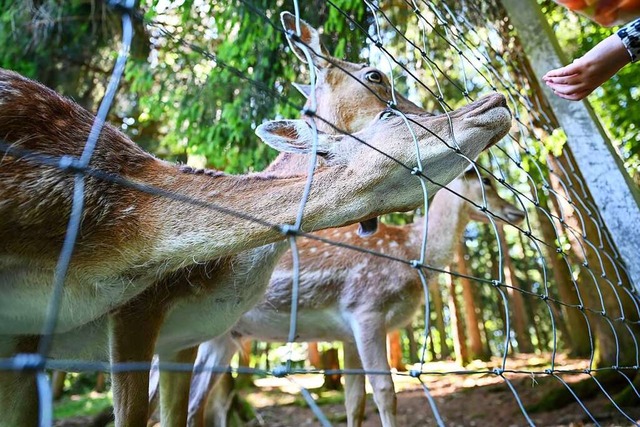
{"x":461,"y":399}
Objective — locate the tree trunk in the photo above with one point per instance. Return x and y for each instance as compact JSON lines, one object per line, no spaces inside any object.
{"x":518,"y":312}
{"x":457,"y":325}
{"x":330,"y":362}
{"x":603,"y":281}
{"x":495,"y":274}
{"x":394,"y":350}
{"x":313,"y":354}
{"x":57,"y":384}
{"x":476,"y":348}
{"x":438,"y":309}
{"x":431,"y":348}
{"x":531,"y":305}
{"x":571,"y":319}
{"x":413,"y":346}
{"x":101,"y":382}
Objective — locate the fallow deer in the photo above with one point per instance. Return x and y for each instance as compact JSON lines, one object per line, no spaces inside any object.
{"x":129,"y":240}
{"x":355,"y":297}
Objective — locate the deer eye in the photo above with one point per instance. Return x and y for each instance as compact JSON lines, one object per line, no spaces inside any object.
{"x":373,"y":77}
{"x":387,"y":114}
{"x":486,"y":181}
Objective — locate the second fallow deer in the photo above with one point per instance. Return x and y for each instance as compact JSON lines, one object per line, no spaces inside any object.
{"x":355,"y":297}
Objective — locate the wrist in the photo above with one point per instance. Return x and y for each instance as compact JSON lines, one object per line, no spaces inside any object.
{"x":612,"y":52}
{"x":629,"y":37}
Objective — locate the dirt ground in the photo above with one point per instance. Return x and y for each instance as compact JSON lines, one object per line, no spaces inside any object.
{"x":472,"y":406}
{"x":461,"y":399}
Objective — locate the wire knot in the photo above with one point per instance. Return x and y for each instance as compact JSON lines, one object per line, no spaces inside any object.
{"x":292,"y":35}
{"x":289,"y":230}
{"x":415,"y":263}
{"x":280,"y":371}
{"x":28,"y":362}
{"x":498,"y":371}
{"x":415,"y":171}
{"x":70,"y":163}
{"x":414,"y":373}
{"x":309,"y":112}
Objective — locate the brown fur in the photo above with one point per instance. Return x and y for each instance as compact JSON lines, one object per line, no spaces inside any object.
{"x":35,"y":200}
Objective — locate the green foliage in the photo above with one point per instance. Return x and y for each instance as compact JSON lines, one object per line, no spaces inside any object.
{"x":82,"y":404}
{"x":200,"y":90}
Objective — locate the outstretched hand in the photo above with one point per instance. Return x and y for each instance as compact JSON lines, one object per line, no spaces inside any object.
{"x":578,"y":79}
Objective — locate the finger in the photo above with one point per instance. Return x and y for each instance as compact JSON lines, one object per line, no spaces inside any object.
{"x":569,"y":80}
{"x":578,"y":96}
{"x":566,"y":89}
{"x":564,"y":71}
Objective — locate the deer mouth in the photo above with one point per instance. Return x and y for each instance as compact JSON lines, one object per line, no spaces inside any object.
{"x":368,"y":227}
{"x":491,"y":113}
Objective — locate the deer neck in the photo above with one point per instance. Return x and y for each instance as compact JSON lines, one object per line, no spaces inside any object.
{"x":288,"y":164}
{"x":447,"y":217}
{"x":184,"y":233}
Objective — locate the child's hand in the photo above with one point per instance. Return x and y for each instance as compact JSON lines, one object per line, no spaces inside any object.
{"x":578,"y":79}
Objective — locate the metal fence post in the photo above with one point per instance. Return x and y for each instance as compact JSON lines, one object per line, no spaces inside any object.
{"x":616,"y":196}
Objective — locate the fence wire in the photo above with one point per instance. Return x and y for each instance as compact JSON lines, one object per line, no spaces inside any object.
{"x":489,"y":58}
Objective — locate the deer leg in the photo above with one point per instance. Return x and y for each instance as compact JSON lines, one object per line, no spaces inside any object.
{"x":174,"y":389}
{"x":216,"y":353}
{"x":355,"y":395}
{"x":133,"y":332}
{"x":18,"y":390}
{"x":370,"y":333}
{"x":154,"y":392}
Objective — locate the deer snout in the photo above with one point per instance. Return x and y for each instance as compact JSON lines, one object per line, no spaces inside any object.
{"x":485,"y":104}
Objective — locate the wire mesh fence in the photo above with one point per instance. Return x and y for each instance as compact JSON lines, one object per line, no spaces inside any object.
{"x":551,"y":281}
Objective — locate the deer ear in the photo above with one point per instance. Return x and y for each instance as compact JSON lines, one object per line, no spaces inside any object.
{"x":303,"y":89}
{"x":309,"y":37}
{"x":293,"y":136}
{"x":470,"y":171}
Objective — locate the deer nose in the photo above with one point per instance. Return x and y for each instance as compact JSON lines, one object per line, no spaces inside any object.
{"x":487,"y":103}
{"x":497,"y":100}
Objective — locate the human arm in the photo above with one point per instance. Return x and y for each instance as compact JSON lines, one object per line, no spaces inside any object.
{"x":578,"y":79}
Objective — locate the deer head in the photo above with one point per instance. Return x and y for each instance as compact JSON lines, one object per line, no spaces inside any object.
{"x":475,"y":126}
{"x":348,"y":95}
{"x":502,"y":209}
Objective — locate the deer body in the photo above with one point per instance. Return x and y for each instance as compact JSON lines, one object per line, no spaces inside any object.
{"x":355,"y":297}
